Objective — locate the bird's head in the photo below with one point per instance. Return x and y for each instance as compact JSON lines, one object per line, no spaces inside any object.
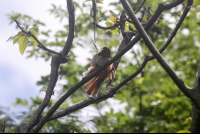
{"x":105,"y":52}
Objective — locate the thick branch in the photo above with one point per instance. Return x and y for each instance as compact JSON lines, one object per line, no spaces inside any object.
{"x":55,"y":65}
{"x":4,"y":127}
{"x":26,"y":127}
{"x":68,"y":44}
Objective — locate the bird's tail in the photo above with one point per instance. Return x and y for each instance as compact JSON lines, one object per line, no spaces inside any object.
{"x":92,"y":86}
{"x":85,"y":74}
{"x":95,"y":86}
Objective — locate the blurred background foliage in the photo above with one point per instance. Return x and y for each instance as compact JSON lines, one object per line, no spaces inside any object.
{"x":154,"y":103}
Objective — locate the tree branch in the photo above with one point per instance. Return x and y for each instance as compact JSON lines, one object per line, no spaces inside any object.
{"x":68,"y":44}
{"x":40,"y":45}
{"x":56,"y":62}
{"x":4,"y":127}
{"x":195,"y":124}
{"x":155,"y":52}
{"x":185,"y":12}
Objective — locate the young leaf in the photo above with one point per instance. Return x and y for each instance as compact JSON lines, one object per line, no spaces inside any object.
{"x":34,"y":33}
{"x":179,"y":13}
{"x":113,"y":13}
{"x":183,"y":131}
{"x":16,"y":38}
{"x":159,"y":95}
{"x":33,"y":28}
{"x":22,"y":33}
{"x":113,"y":18}
{"x":23,"y":43}
{"x":42,"y":90}
{"x":131,"y":25}
{"x":144,"y":18}
{"x":126,"y":28}
{"x":114,"y":31}
{"x":34,"y":41}
{"x":187,"y":120}
{"x":140,"y":80}
{"x":198,"y":10}
{"x":108,"y":24}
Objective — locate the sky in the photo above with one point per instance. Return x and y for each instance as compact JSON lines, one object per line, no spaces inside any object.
{"x":18,"y":75}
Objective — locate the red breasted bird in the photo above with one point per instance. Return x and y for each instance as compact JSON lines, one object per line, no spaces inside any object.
{"x":98,"y":61}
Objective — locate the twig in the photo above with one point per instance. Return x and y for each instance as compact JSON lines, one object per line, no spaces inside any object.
{"x":94,"y":8}
{"x":140,"y":7}
{"x":40,"y":45}
{"x":106,"y":28}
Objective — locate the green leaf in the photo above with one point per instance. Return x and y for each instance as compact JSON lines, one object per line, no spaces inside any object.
{"x":126,"y":28}
{"x":159,"y":95}
{"x":187,"y":120}
{"x":22,"y":33}
{"x":196,"y":2}
{"x":144,"y":18}
{"x":42,"y":90}
{"x":179,"y":13}
{"x":183,"y":131}
{"x":113,"y":13}
{"x":198,"y":10}
{"x":114,"y":31}
{"x":16,"y":38}
{"x":108,"y":23}
{"x":198,"y":23}
{"x":33,"y":28}
{"x":131,"y":25}
{"x":140,"y":80}
{"x":34,"y":33}
{"x":23,"y":43}
{"x":113,"y":18}
{"x":34,"y":41}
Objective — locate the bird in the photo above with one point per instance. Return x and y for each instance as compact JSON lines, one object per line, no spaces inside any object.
{"x":98,"y":61}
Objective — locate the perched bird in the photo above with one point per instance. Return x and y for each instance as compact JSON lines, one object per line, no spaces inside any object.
{"x":98,"y":61}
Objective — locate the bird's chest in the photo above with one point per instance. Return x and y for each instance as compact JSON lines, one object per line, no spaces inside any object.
{"x":98,"y":61}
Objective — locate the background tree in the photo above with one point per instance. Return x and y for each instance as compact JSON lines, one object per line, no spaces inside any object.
{"x":154,"y":102}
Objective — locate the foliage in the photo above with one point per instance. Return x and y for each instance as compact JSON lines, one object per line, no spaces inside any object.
{"x":154,"y":103}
